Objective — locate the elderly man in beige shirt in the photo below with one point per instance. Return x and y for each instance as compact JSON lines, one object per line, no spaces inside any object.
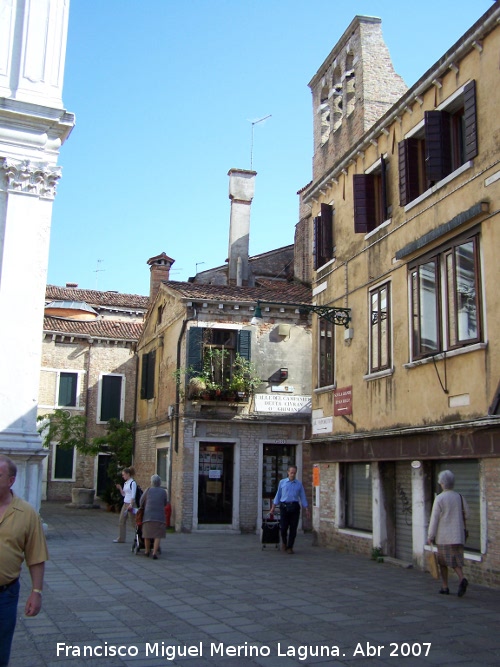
{"x":21,"y":537}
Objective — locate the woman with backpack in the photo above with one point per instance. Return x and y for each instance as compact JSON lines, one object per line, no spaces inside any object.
{"x":128,"y":492}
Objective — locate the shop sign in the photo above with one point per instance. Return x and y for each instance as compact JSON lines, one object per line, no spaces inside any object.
{"x":342,"y":401}
{"x":282,"y":403}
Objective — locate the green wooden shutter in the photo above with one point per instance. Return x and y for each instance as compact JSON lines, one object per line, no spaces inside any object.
{"x":150,"y":383}
{"x":195,"y":350}
{"x":144,"y":375}
{"x":111,"y":394}
{"x":244,"y":342}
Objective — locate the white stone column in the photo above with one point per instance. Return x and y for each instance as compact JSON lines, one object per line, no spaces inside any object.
{"x":33,"y":126}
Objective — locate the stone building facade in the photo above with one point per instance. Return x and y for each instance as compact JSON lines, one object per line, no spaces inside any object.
{"x":88,"y":367}
{"x":220,"y":445}
{"x":405,"y":226}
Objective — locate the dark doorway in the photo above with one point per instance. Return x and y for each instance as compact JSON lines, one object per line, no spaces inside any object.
{"x":215,"y":483}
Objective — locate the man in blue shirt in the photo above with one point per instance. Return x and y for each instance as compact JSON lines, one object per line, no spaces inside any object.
{"x":290,"y":497}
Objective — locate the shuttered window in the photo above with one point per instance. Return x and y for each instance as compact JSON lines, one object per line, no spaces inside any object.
{"x":466,"y":473}
{"x":370,"y":199}
{"x":63,"y":463}
{"x":148,"y":375}
{"x":111,"y":397}
{"x":323,"y":236}
{"x":448,"y":141}
{"x":201,"y":339}
{"x":67,"y":396}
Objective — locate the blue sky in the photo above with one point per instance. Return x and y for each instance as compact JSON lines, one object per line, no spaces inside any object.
{"x":165,"y":93}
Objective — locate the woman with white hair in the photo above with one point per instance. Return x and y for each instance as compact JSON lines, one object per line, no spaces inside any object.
{"x":447,"y":530}
{"x":154,"y":501}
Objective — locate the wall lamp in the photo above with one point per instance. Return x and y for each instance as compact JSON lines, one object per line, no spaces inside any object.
{"x":340,"y":316}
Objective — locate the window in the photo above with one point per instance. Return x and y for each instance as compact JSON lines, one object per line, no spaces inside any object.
{"x":447,"y":141}
{"x":63,"y":463}
{"x":111,"y":397}
{"x":445,"y":308}
{"x":323,"y":236}
{"x":213,"y":351}
{"x":370,"y":199}
{"x":67,"y":391}
{"x":148,"y":375}
{"x":380,"y":328}
{"x":326,"y":352}
{"x":466,"y":473}
{"x":358,"y":496}
{"x":162,"y":464}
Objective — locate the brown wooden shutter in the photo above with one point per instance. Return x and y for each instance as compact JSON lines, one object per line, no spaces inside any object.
{"x":316,"y":241}
{"x":408,"y":170}
{"x":364,"y":203}
{"x":383,"y":185}
{"x":327,"y":232}
{"x":437,"y":145}
{"x":470,"y":120}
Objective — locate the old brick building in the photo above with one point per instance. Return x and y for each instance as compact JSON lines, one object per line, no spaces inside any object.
{"x":219,"y":441}
{"x":89,"y":368}
{"x":403,"y":211}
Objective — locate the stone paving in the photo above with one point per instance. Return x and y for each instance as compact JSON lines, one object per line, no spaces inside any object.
{"x":211,"y":595}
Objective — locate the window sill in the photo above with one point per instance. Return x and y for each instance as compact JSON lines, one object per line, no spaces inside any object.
{"x":437,"y":186}
{"x":386,"y":223}
{"x":356,"y":533}
{"x":324,"y":390}
{"x":451,"y":353}
{"x":379,"y":374}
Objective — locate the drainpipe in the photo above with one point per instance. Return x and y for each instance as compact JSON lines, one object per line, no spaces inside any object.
{"x":177,"y":399}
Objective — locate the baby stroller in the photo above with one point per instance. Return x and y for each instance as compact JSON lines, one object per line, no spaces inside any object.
{"x":138,"y":539}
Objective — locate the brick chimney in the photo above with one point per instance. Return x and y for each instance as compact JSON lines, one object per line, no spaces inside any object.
{"x":241,"y":191}
{"x":160,"y":272}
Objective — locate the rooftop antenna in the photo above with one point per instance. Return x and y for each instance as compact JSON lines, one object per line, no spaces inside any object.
{"x":197,"y":265}
{"x":97,"y":271}
{"x":254,"y":122}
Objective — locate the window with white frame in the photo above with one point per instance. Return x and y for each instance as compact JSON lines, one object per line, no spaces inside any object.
{"x":111,"y":397}
{"x":63,"y":463}
{"x":380,"y":328}
{"x":445,"y":298}
{"x":67,"y":394}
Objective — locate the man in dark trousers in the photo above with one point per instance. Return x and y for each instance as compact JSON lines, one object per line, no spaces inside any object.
{"x":21,"y":537}
{"x":290,"y":497}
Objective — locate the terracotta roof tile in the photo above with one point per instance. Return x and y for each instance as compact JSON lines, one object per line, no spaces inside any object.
{"x":96,"y":298}
{"x":96,"y":329}
{"x":273,"y":292}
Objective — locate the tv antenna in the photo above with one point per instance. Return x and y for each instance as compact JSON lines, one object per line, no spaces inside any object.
{"x":255,"y":122}
{"x":97,"y":271}
{"x":197,"y":265}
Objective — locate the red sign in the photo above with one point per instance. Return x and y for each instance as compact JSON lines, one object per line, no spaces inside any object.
{"x":342,"y":401}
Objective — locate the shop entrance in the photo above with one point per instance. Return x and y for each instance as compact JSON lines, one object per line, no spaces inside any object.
{"x":215,"y":483}
{"x":275,"y":462}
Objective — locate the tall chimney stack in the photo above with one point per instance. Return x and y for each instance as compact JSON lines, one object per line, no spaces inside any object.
{"x":241,"y":191}
{"x":160,"y":272}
